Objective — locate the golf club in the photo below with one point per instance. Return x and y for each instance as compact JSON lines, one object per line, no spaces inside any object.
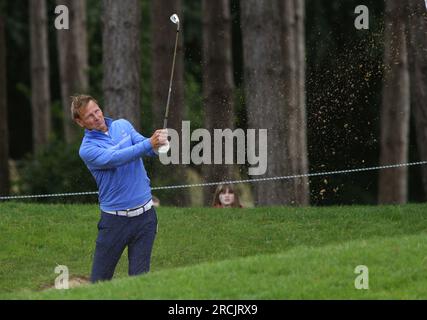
{"x":174,"y":18}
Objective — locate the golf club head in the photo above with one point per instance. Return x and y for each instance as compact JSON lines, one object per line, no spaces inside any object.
{"x":164,"y":148}
{"x":174,"y":18}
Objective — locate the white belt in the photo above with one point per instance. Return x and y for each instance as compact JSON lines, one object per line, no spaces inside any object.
{"x":133,"y":212}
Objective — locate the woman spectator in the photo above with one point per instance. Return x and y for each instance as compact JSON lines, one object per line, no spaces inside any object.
{"x":226,"y":197}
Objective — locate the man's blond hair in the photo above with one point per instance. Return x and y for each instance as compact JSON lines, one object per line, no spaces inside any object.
{"x":79,"y":102}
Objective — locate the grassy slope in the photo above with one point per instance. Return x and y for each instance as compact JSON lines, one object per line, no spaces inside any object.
{"x":397,"y":270}
{"x":36,"y":238}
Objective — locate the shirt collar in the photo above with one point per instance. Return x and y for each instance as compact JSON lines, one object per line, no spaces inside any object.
{"x":108,"y":122}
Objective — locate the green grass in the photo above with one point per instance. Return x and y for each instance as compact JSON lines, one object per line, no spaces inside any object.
{"x":200,"y":253}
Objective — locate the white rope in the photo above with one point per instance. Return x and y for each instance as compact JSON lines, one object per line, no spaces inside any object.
{"x":317,"y":174}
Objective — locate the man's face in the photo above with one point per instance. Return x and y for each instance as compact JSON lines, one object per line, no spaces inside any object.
{"x":92,"y":118}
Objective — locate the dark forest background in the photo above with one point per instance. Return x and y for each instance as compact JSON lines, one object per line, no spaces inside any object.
{"x":344,"y":79}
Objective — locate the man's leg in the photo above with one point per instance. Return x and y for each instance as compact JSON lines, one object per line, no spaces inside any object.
{"x":141,"y":245}
{"x":110,"y":243}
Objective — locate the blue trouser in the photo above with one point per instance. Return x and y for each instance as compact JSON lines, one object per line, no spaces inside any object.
{"x":117,"y":232}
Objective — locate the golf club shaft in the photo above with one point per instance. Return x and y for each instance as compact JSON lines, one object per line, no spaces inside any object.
{"x":165,"y":122}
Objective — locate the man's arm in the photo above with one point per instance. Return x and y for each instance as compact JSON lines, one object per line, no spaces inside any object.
{"x":101,"y":158}
{"x":138,"y":138}
{"x":158,"y":138}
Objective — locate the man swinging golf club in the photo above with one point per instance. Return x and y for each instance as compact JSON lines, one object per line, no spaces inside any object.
{"x":112,"y":151}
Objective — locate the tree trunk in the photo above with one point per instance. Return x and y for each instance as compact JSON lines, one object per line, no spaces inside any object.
{"x":121,"y":60}
{"x":395,"y":107}
{"x":264,"y":91}
{"x":73,"y":61}
{"x":40,"y":85}
{"x":294,"y":90}
{"x":417,"y":56}
{"x":218,"y":82}
{"x":4,"y":136}
{"x":163,"y":33}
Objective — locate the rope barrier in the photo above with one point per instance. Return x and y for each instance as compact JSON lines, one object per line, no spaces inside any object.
{"x":296,"y":176}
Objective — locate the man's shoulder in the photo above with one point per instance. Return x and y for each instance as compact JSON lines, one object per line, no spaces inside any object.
{"x":122,"y":125}
{"x":87,"y":142}
{"x":87,"y":138}
{"x":121,"y":122}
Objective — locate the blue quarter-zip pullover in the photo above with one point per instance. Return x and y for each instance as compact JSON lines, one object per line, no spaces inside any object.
{"x":114,"y":159}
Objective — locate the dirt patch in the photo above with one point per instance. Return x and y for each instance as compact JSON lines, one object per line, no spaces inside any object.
{"x":78,"y":281}
{"x":73,"y":282}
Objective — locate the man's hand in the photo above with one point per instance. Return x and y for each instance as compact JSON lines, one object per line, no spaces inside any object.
{"x":159,"y":138}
